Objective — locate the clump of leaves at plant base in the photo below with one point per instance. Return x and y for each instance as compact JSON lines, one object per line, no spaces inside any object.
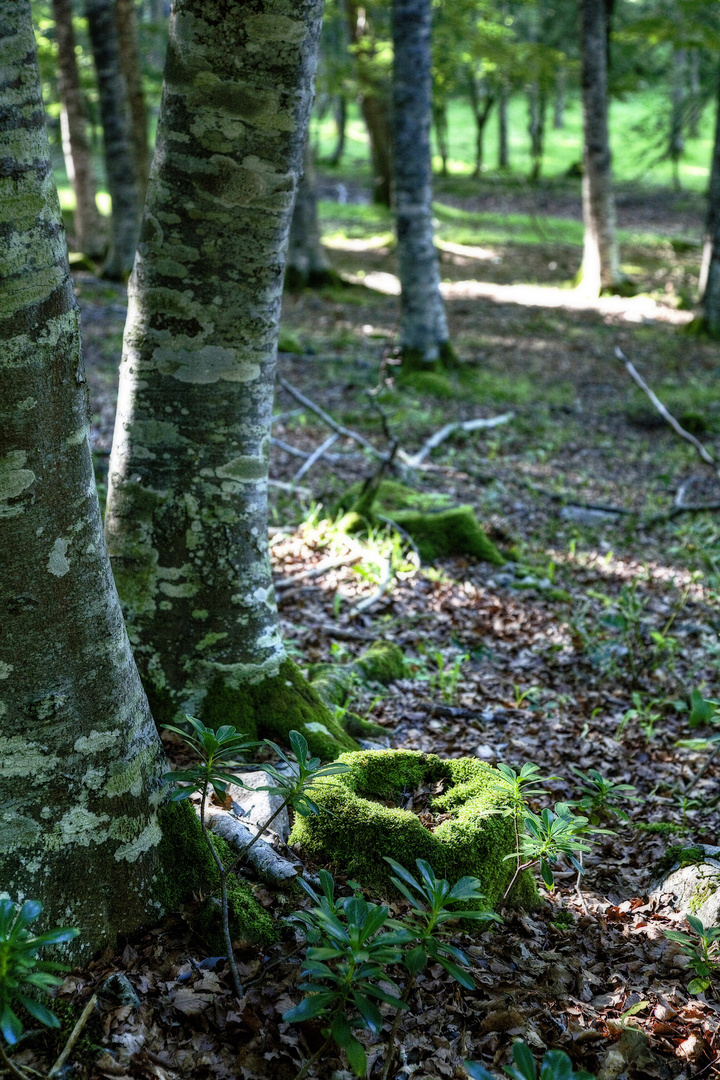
{"x":22,"y":973}
{"x":555,"y":1065}
{"x":702,"y":947}
{"x":602,"y":798}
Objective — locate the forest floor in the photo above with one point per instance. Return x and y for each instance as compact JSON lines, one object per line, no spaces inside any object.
{"x":581,"y":651}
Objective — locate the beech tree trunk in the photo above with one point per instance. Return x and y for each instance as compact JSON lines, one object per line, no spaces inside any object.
{"x":560,"y":100}
{"x":186,"y":518}
{"x":307,"y":263}
{"x":503,"y":142}
{"x":89,"y":230}
{"x":374,"y":106}
{"x":117,"y":138}
{"x":423,"y":332}
{"x":537,"y":108}
{"x":481,"y":101}
{"x":709,"y":284}
{"x":127,"y":30}
{"x":80,"y":760}
{"x":600,"y":266}
{"x":440,"y":120}
{"x":340,"y":115}
{"x":678,"y":107}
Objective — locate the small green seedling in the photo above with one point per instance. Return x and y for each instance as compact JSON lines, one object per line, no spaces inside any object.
{"x":550,"y":836}
{"x":22,"y":974}
{"x":555,"y":1065}
{"x":601,"y":798}
{"x":702,"y":947}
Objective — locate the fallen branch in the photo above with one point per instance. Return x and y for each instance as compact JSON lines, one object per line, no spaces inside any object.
{"x":633,"y":372}
{"x":269,"y":866}
{"x":327,"y":419}
{"x":415,"y":460}
{"x":73,"y":1036}
{"x":315,"y":456}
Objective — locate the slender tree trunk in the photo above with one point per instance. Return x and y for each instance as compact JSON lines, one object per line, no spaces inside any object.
{"x":186,"y":518}
{"x":307,"y":263}
{"x":340,"y":114}
{"x":601,"y":267}
{"x":127,"y":30}
{"x":117,"y":138}
{"x":678,"y":104}
{"x":423,"y":334}
{"x":560,"y":100}
{"x":696,"y":96}
{"x":440,"y":121}
{"x":537,"y":108}
{"x":89,"y":230}
{"x":482,"y":102}
{"x":503,"y":143}
{"x":709,"y":285}
{"x":80,"y":760}
{"x":374,"y":106}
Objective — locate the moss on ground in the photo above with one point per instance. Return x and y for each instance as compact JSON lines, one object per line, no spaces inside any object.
{"x":276,"y":706}
{"x":383,"y":662}
{"x":685,"y":856}
{"x":360,"y":821}
{"x":187,"y":868}
{"x":436,"y":526}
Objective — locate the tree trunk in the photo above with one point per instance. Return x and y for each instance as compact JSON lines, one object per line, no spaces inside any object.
{"x":374,"y":106}
{"x":340,"y":114}
{"x":695,"y":110}
{"x":117,"y":138}
{"x":559,"y":100}
{"x":600,"y":267}
{"x":481,"y":102}
{"x":537,"y":108}
{"x":503,"y":143}
{"x":127,"y":30}
{"x":80,"y":760}
{"x":709,"y":285}
{"x":440,"y":120}
{"x":423,"y":333}
{"x":89,"y":231}
{"x":678,"y":104}
{"x":307,"y":263}
{"x":186,"y":518}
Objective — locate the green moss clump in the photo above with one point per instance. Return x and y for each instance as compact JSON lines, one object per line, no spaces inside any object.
{"x":360,"y":821}
{"x":662,"y":828}
{"x":382,"y":662}
{"x":685,"y":856}
{"x":430,"y":382}
{"x":276,"y":706}
{"x":436,"y":526}
{"x":187,"y":867}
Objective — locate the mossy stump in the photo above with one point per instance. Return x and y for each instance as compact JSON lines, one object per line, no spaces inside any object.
{"x":361,"y":820}
{"x":437,"y":526}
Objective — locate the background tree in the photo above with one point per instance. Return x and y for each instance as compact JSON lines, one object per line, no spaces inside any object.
{"x":120,"y":165}
{"x":307,"y":263}
{"x":709,"y":284}
{"x":89,"y":229}
{"x":80,"y":760}
{"x":187,"y":503}
{"x":127,"y":30}
{"x":423,"y":334}
{"x":372,"y":65}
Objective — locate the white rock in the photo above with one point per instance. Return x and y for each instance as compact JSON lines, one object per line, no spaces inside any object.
{"x":257,"y":807}
{"x":695,"y":890}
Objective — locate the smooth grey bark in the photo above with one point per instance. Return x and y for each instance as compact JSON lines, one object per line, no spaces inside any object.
{"x":89,"y":229}
{"x":307,"y":263}
{"x":423,"y":333}
{"x":340,"y":115}
{"x":709,"y":284}
{"x":80,"y":759}
{"x":600,"y":265}
{"x":117,"y":138}
{"x":440,"y":122}
{"x":127,"y":30}
{"x":186,"y":518}
{"x":559,"y":99}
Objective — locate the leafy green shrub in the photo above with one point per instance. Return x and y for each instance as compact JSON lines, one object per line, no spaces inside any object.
{"x":703,"y":949}
{"x":555,"y":1065}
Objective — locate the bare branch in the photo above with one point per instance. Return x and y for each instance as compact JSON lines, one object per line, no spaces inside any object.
{"x":327,"y":419}
{"x":315,"y":456}
{"x":415,"y":460}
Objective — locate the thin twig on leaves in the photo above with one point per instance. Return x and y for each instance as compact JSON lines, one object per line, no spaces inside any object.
{"x":315,"y":456}
{"x":73,"y":1036}
{"x":415,"y":460}
{"x":319,"y":570}
{"x":331,"y":423}
{"x":633,"y":372}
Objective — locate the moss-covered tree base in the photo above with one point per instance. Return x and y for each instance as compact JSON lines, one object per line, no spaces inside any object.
{"x":361,"y":820}
{"x":383,"y":662}
{"x":296,"y":280}
{"x":417,"y":360}
{"x":436,"y":526}
{"x":274,"y":707}
{"x":187,"y":868}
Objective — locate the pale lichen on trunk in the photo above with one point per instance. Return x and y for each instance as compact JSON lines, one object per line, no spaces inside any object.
{"x":80,"y":761}
{"x":187,"y":503}
{"x":423,"y":334}
{"x":600,"y":266}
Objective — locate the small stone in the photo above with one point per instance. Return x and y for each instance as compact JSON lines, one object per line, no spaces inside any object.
{"x":257,"y":807}
{"x":485,"y":752}
{"x":118,"y":986}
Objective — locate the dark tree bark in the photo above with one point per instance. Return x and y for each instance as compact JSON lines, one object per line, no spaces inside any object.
{"x":695,"y":109}
{"x":186,"y":518}
{"x":80,"y":759}
{"x":537,"y":109}
{"x":423,"y":334}
{"x":709,"y":285}
{"x":374,"y":103}
{"x":117,"y":138}
{"x":481,"y":101}
{"x":503,"y":142}
{"x":307,"y":263}
{"x":89,"y":230}
{"x":601,"y":267}
{"x":440,"y":121}
{"x":126,"y":21}
{"x":340,"y":114}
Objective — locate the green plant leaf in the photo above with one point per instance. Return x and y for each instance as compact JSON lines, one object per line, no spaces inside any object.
{"x":309,"y":1008}
{"x":415,"y":959}
{"x":698,"y":986}
{"x":524,"y":1060}
{"x":476,"y":1071}
{"x":356,"y":1057}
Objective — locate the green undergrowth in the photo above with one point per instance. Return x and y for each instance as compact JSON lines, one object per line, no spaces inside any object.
{"x":361,"y":820}
{"x":187,"y":868}
{"x":383,"y":662}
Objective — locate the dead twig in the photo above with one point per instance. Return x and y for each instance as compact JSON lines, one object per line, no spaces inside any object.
{"x":634,"y":374}
{"x":319,"y":570}
{"x":73,"y":1036}
{"x":315,"y":456}
{"x":331,"y":423}
{"x":415,"y":460}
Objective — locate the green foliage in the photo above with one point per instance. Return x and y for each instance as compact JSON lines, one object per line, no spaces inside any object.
{"x":446,"y":677}
{"x":602,"y":798}
{"x":702,"y":947}
{"x":22,"y":973}
{"x":555,"y":1065}
{"x":551,"y":835}
{"x":432,"y":904}
{"x":702,"y":710}
{"x":343,"y":971}
{"x":305,"y":772}
{"x":218,"y":752}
